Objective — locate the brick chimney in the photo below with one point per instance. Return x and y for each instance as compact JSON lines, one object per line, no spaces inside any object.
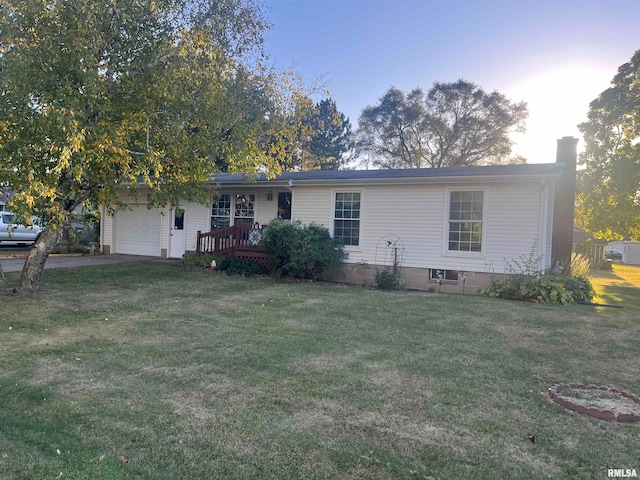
{"x":564,"y":203}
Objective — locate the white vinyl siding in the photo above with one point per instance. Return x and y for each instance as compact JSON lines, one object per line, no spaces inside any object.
{"x":106,"y":228}
{"x":197,"y":218}
{"x":512,"y":224}
{"x":266,"y":205}
{"x":166,"y":220}
{"x":312,"y":204}
{"x":417,"y":215}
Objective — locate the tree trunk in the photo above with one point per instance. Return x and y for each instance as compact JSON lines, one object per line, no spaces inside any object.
{"x":34,"y":264}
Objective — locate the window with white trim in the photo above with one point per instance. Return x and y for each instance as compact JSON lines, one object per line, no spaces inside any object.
{"x":465,"y":220}
{"x":221,"y":212}
{"x":244,"y":208}
{"x":346,"y":218}
{"x":232,"y":209}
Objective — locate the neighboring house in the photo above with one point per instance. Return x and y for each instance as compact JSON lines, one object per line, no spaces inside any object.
{"x":630,"y":251}
{"x":588,"y":245}
{"x":450,"y":226}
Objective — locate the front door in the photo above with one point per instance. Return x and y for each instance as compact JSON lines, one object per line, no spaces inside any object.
{"x":178,"y":239}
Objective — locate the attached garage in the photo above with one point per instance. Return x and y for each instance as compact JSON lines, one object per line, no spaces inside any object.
{"x":138,"y":231}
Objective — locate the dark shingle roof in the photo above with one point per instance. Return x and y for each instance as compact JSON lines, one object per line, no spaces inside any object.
{"x":546,"y":170}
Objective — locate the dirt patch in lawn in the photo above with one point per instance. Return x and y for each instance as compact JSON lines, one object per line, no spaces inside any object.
{"x":404,"y":434}
{"x":48,"y":372}
{"x":311,"y":302}
{"x":148,"y":340}
{"x":400,"y":391}
{"x":368,"y":473}
{"x":221,"y":411}
{"x":107,"y":300}
{"x":229,"y":300}
{"x":324,"y":363}
{"x":409,"y":434}
{"x":67,"y":379}
{"x":521,"y":454}
{"x":177,"y":372}
{"x":210,"y":401}
{"x":79,"y":388}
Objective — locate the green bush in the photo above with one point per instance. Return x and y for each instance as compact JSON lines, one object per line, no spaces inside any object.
{"x":200,"y":260}
{"x":544,"y":288}
{"x":385,"y":279}
{"x":581,"y":288}
{"x":528,"y":283}
{"x":301,"y":251}
{"x":240,"y":266}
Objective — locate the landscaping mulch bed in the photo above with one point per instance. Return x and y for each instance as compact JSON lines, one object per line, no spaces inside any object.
{"x":605,"y":403}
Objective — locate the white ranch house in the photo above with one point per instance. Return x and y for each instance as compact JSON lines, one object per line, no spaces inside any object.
{"x":448,"y":227}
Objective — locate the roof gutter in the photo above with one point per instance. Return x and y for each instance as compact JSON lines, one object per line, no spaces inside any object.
{"x":395,"y":181}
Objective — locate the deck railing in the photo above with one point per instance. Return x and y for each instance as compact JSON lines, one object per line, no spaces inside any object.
{"x":227,"y":241}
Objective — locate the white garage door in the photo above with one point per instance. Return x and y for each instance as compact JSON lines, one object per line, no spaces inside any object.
{"x":138,"y":231}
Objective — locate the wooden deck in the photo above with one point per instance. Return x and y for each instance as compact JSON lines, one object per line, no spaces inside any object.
{"x":236,"y":241}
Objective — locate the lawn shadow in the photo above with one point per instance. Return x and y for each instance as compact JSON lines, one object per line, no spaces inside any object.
{"x":628,"y":297}
{"x":611,"y":276}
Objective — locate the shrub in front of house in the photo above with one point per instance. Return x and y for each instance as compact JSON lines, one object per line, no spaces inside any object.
{"x":527,"y":282}
{"x":198,"y":260}
{"x":544,"y":288}
{"x":301,"y":251}
{"x":240,"y":266}
{"x":385,"y":279}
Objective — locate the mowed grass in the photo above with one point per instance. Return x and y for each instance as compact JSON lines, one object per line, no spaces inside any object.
{"x":198,"y":376}
{"x":620,"y":286}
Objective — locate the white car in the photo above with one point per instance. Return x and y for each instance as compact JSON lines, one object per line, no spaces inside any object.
{"x":16,"y":233}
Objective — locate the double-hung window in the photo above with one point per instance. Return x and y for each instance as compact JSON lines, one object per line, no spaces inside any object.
{"x":465,"y":220}
{"x":232,"y":209}
{"x":244,"y":208}
{"x":221,"y":212}
{"x":346,"y":218}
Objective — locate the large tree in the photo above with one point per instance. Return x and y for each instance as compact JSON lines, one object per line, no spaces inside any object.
{"x":609,"y":185}
{"x":454,"y":124}
{"x":324,"y":137}
{"x":152,"y":95}
{"x":330,"y":135}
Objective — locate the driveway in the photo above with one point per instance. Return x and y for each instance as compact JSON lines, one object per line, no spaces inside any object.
{"x":55,"y":261}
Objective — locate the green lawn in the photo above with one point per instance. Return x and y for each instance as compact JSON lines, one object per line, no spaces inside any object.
{"x":199,"y":376}
{"x":619,"y":286}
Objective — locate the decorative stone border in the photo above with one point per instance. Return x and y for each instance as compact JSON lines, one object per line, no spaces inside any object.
{"x":555,"y":394}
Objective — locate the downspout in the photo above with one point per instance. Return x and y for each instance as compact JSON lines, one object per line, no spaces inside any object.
{"x":542,"y":229}
{"x":543,"y":248}
{"x":102,"y":220}
{"x":290,"y":186}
